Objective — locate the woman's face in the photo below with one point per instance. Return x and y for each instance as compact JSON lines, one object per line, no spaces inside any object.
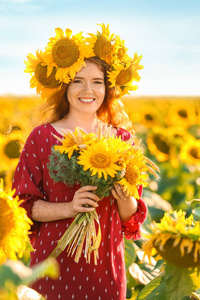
{"x":86,"y":92}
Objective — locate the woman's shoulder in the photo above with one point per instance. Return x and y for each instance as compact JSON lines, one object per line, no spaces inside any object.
{"x":40,"y":133}
{"x":125,"y":134}
{"x":41,"y":129}
{"x":41,"y":139}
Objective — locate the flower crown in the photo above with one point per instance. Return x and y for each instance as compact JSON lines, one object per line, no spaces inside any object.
{"x":65,"y":55}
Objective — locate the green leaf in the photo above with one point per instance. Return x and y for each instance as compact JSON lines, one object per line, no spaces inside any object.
{"x":159,"y":264}
{"x":180,"y":282}
{"x":196,"y":212}
{"x":7,"y":273}
{"x":17,"y":273}
{"x":130,"y":253}
{"x":155,"y":290}
{"x":49,"y":268}
{"x":131,"y":283}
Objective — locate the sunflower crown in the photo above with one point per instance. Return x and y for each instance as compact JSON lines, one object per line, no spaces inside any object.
{"x":65,"y":55}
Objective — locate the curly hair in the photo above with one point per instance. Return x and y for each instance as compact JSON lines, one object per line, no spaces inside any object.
{"x":111,"y":111}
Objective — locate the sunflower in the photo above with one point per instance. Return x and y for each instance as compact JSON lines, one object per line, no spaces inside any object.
{"x":68,"y":145}
{"x":10,"y":148}
{"x":160,"y":144}
{"x":181,"y":114}
{"x":178,"y":136}
{"x":100,"y":158}
{"x":120,"y":146}
{"x":190,"y":152}
{"x":102,"y":44}
{"x":74,"y":141}
{"x":121,"y":50}
{"x":149,"y":117}
{"x":123,"y":73}
{"x":134,"y":173}
{"x":66,"y":53}
{"x":14,"y":226}
{"x":176,"y":239}
{"x":44,"y":80}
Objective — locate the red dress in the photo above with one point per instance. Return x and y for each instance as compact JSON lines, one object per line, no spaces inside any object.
{"x":107,"y":279}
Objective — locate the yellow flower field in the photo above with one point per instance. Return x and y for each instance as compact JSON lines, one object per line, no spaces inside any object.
{"x":169,"y":130}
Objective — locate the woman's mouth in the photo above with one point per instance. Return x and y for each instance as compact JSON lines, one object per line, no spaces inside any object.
{"x":86,"y":99}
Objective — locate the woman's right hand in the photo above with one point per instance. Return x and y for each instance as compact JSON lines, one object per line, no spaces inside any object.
{"x":83,"y":198}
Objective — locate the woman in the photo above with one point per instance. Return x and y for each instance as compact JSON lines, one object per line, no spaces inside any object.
{"x":85,"y":101}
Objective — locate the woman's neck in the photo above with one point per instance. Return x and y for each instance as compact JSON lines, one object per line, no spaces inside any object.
{"x":88,"y":123}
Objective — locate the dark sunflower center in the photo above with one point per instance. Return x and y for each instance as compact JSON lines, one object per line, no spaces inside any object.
{"x":12,"y":149}
{"x":41,"y":75}
{"x":102,"y":47}
{"x":178,"y":136}
{"x":124,"y":76}
{"x":173,"y":254}
{"x":100,"y":161}
{"x":161,"y":144}
{"x":65,"y":52}
{"x":148,"y":117}
{"x":121,"y":52}
{"x":69,"y":143}
{"x":183,"y":113}
{"x":194,"y":153}
{"x":132,"y":173}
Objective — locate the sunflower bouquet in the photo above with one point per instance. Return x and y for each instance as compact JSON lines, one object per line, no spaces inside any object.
{"x":100,"y":160}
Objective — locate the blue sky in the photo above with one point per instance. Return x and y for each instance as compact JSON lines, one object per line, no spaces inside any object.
{"x":165,"y":32}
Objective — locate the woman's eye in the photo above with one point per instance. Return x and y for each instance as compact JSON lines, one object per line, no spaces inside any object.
{"x":98,"y":82}
{"x":77,"y":81}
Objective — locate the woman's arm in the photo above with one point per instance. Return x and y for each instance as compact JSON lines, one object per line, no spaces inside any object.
{"x":43,"y":211}
{"x":127,"y":205}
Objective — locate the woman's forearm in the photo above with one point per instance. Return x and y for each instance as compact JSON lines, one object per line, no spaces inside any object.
{"x":84,"y":200}
{"x":43,"y":211}
{"x":127,"y":209}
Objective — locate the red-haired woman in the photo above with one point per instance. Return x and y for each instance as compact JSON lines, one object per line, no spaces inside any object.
{"x":87,"y":100}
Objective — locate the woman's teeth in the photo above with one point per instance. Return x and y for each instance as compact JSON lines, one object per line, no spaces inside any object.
{"x":86,"y":100}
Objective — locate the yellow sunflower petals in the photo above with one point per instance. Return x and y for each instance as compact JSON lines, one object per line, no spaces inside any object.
{"x":68,"y":32}
{"x":59,"y":32}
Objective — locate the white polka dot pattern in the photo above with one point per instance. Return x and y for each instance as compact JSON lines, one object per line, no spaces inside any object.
{"x":104,"y":281}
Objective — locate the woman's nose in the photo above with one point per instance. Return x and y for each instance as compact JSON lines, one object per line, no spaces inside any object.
{"x":88,"y":86}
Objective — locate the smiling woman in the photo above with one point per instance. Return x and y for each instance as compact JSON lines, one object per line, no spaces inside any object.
{"x":86,"y":94}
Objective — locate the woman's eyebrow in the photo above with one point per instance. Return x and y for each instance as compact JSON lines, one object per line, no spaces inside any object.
{"x":98,"y":78}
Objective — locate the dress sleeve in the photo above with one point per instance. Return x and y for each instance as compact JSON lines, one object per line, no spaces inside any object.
{"x":27,"y":181}
{"x":132,"y":228}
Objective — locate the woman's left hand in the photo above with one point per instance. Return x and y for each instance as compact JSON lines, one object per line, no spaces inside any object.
{"x":127,"y":205}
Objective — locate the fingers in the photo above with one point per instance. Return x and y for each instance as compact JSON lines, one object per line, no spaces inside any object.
{"x":85,"y":209}
{"x":87,"y":188}
{"x":118,"y":192}
{"x":89,"y":195}
{"x":85,"y":200}
{"x":86,"y":192}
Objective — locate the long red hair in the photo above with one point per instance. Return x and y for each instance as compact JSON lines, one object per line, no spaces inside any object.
{"x":111,"y":111}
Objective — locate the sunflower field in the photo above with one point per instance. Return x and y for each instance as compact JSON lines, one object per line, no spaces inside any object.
{"x":169,"y":131}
